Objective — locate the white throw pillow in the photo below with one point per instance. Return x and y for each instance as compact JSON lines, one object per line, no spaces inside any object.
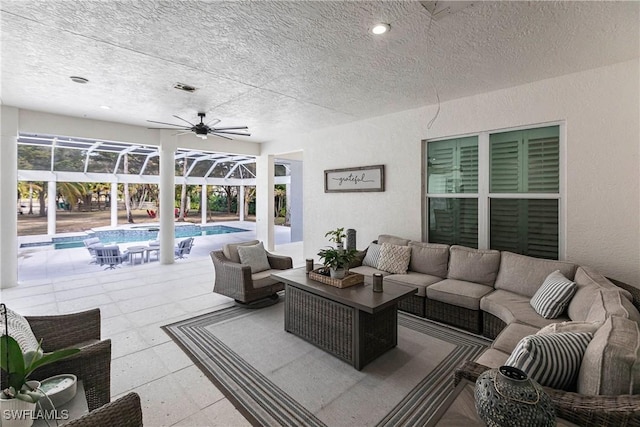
{"x":255,"y":257}
{"x":372,"y":258}
{"x":551,"y":359}
{"x":19,"y":330}
{"x":553,"y":297}
{"x":394,"y":258}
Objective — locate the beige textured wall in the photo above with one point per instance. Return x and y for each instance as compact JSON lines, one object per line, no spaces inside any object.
{"x":601,"y":110}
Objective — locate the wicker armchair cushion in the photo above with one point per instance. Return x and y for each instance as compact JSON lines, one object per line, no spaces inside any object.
{"x":19,"y":330}
{"x":394,"y":258}
{"x":611,"y":363}
{"x":553,"y":359}
{"x":473,"y":265}
{"x":255,"y":257}
{"x":553,"y":297}
{"x":429,"y":258}
{"x":230,"y":250}
{"x":372,"y":258}
{"x":610,"y":302}
{"x":524,"y":274}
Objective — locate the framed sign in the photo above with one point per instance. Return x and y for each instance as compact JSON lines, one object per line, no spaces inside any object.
{"x":365,"y":178}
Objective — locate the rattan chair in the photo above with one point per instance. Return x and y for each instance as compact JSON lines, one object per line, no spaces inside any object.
{"x":92,"y":364}
{"x":235,"y":280}
{"x":123,"y":412}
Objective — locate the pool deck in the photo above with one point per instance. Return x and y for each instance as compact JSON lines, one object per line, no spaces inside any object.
{"x":41,"y":263}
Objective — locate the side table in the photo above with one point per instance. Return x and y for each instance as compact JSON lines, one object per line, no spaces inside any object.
{"x":136,"y":250}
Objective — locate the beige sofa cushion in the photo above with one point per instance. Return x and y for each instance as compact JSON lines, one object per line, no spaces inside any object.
{"x":458,"y":292}
{"x":610,"y":302}
{"x":493,"y":358}
{"x":394,"y":240}
{"x":417,"y":280}
{"x":524,"y":274}
{"x":611,"y":364}
{"x":509,"y":337}
{"x":511,"y":307}
{"x":429,"y":258}
{"x":230,"y":250}
{"x":571,"y":326}
{"x":473,"y":265}
{"x":588,"y":276}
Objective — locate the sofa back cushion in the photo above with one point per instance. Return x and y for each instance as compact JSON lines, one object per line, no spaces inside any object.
{"x":524,"y":274}
{"x":230,"y":250}
{"x":473,"y":265}
{"x":611,"y":363}
{"x":588,"y":276}
{"x":394,"y":240}
{"x":429,"y":258}
{"x":611,"y":302}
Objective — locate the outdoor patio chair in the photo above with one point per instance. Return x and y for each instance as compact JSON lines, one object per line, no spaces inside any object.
{"x":236,"y":281}
{"x":91,"y":244}
{"x":110,"y":256}
{"x":183,"y":248}
{"x":92,"y":364}
{"x":123,"y":412}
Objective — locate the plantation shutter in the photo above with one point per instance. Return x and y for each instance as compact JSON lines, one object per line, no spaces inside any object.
{"x":525,"y":162}
{"x":453,"y":166}
{"x":441,"y":155}
{"x":454,"y":221}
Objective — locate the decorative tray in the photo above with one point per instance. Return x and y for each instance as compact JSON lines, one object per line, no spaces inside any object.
{"x":351,"y":279}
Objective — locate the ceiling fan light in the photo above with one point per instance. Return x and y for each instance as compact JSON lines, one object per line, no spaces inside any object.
{"x":380,"y":28}
{"x":202,"y":135}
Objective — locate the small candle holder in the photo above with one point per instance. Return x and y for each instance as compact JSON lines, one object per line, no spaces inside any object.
{"x":377,"y":282}
{"x":309,"y":265}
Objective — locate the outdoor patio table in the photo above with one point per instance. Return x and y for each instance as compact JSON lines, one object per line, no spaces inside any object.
{"x":136,"y":250}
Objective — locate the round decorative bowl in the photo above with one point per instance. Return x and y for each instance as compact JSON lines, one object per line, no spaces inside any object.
{"x":60,"y":389}
{"x":506,"y":397}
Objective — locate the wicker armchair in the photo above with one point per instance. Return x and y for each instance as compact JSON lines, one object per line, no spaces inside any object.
{"x":235,"y":280}
{"x":583,"y":410}
{"x":123,"y":412}
{"x":92,"y":364}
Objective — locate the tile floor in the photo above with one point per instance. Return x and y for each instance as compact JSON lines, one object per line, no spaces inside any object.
{"x":135,"y":301}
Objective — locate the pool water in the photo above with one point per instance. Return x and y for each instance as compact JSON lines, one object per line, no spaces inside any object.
{"x":137,"y":234}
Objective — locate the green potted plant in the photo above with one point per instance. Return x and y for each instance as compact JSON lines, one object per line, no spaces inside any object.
{"x":336,"y":236}
{"x":22,"y":394}
{"x":337,"y":261}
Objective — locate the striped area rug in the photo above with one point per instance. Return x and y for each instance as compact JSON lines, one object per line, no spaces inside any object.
{"x":277,"y":379}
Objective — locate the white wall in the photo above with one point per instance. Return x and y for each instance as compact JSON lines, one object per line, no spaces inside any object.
{"x":601,"y":109}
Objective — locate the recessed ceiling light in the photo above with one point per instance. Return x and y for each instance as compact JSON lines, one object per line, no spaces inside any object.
{"x":77,"y":79}
{"x":105,"y":107}
{"x":380,"y":28}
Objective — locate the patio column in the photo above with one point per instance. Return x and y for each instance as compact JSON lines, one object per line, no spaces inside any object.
{"x":167,"y":196}
{"x":51,"y":207}
{"x":265,"y":171}
{"x":241,"y":203}
{"x":114,"y":204}
{"x":8,"y":197}
{"x":203,"y":203}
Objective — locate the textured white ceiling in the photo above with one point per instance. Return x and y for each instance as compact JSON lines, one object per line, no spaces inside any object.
{"x":282,"y":67}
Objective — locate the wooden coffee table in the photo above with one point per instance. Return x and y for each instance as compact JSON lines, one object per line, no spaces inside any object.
{"x":354,"y":324}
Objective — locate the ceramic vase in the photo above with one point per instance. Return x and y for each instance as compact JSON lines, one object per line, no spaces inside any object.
{"x":506,"y":397}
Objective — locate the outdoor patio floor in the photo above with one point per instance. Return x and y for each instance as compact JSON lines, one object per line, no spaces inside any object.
{"x":135,"y":301}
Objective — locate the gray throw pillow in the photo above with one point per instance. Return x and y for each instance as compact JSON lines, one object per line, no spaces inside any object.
{"x":372,"y":257}
{"x":255,"y":257}
{"x":551,"y":359}
{"x":553,"y":297}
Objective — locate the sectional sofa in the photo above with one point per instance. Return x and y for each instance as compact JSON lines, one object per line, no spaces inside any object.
{"x":490,"y":292}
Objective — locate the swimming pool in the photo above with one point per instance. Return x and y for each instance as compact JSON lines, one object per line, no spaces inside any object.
{"x":134,"y":234}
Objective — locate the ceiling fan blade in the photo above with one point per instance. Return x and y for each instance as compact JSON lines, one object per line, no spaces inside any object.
{"x":185,"y":128}
{"x":181,"y":133}
{"x":170,"y":124}
{"x":213,"y":122}
{"x":231,"y":128}
{"x":229,"y":133}
{"x":186,"y":121}
{"x":220,"y":136}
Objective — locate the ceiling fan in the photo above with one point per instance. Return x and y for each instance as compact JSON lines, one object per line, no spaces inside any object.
{"x":202,"y":130}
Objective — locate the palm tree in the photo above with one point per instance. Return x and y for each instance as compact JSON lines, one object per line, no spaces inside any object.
{"x":183,"y":192}
{"x":127,"y":200}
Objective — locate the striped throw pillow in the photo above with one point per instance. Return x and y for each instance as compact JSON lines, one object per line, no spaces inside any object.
{"x":553,"y":297}
{"x":372,"y":257}
{"x":552,"y":359}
